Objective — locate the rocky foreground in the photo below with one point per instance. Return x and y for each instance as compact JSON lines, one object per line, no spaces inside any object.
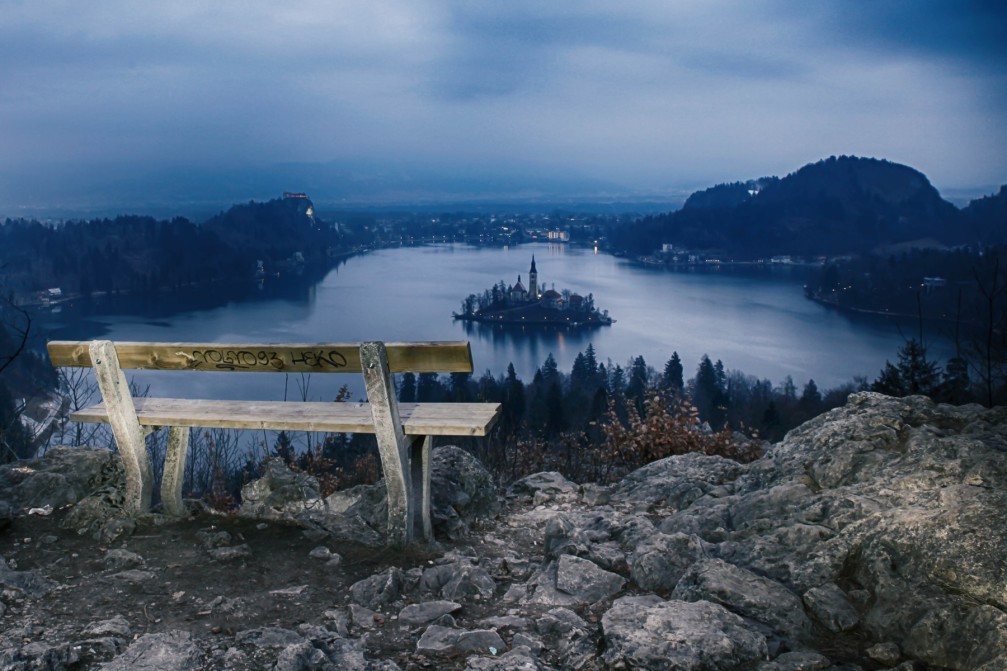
{"x":872,"y":537}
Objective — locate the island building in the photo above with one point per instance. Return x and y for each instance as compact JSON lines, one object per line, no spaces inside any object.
{"x":532,"y":305}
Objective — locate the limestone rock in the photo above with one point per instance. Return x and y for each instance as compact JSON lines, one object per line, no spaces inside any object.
{"x":365,"y":618}
{"x":650,"y":633}
{"x":747,"y":594}
{"x":675,"y":481}
{"x":131,"y":576}
{"x":118,"y":559}
{"x":280,"y":491}
{"x":230,"y":553}
{"x":518,"y":659}
{"x":660,"y":561}
{"x":30,"y":582}
{"x":100,"y":513}
{"x":172,"y":650}
{"x":797,"y":661}
{"x":368,"y":503}
{"x":63,"y":476}
{"x":443,"y":640}
{"x":321,"y":553}
{"x":117,"y":627}
{"x":569,"y":637}
{"x":885,"y":653}
{"x":830,"y":606}
{"x":458,"y":580}
{"x":269,"y":637}
{"x":585,"y":581}
{"x":544,"y":487}
{"x":379,"y":589}
{"x":428,"y":611}
{"x":42,"y":655}
{"x":461,"y":490}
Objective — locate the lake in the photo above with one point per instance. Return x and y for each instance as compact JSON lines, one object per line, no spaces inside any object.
{"x":753,"y":318}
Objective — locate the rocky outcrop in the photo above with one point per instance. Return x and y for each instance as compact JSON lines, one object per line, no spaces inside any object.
{"x":64,"y":476}
{"x":871,"y":537}
{"x":462,"y":490}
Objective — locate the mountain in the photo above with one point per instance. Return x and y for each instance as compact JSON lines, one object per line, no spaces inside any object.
{"x":835,"y":206}
{"x":986,"y":218}
{"x":728,"y":195}
{"x":143,"y":254}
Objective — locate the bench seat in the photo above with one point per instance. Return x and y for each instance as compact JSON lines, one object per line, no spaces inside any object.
{"x":423,"y":419}
{"x":404,"y":432}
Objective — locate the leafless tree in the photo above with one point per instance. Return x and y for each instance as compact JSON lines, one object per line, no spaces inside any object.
{"x":20,"y":330}
{"x":990,"y":347}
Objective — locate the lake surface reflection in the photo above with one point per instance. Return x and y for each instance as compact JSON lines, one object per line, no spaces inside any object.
{"x":755,"y":319}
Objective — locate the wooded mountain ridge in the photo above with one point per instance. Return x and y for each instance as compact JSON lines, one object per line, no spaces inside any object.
{"x":839,"y":205}
{"x":139,"y":253}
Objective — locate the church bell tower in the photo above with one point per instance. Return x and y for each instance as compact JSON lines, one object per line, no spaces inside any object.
{"x":533,"y":280}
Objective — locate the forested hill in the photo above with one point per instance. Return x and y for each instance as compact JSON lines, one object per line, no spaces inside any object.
{"x":835,"y":206}
{"x":134,"y":253}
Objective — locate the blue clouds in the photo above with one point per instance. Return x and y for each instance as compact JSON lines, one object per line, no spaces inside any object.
{"x":649,"y":94}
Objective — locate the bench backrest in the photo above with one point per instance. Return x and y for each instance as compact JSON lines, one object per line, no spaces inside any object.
{"x":416,"y":357}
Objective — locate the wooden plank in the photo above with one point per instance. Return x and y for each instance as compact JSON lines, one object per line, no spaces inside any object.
{"x":174,"y":471}
{"x":392,"y":442}
{"x":417,"y":357}
{"x":121,"y":414}
{"x":434,"y":419}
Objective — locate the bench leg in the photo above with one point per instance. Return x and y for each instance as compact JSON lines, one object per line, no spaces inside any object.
{"x":392,"y":443}
{"x":129,"y":437}
{"x":419,"y":475}
{"x":174,"y":471}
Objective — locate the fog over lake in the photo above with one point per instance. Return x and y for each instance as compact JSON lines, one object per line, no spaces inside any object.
{"x":755,"y":319}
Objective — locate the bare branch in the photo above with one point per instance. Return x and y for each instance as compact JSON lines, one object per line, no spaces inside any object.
{"x":7,"y":359}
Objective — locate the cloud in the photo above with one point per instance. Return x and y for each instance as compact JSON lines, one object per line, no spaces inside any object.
{"x":646,"y":93}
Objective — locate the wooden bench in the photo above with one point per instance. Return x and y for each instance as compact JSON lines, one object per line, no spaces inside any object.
{"x":404,"y":431}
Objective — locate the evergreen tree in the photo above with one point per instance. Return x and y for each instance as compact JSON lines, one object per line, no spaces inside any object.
{"x":407,"y":390}
{"x":460,"y":387}
{"x":673,"y":371}
{"x":636,"y":389}
{"x":914,"y":374}
{"x":810,"y":402}
{"x":709,"y":392}
{"x":956,"y":385}
{"x":590,"y":358}
{"x":721,"y":376}
{"x":514,"y":401}
{"x":771,"y":422}
{"x":550,"y":371}
{"x":919,"y":375}
{"x":429,"y":388}
{"x":617,"y":383}
{"x":581,"y":374}
{"x":284,"y":447}
{"x":555,"y":421}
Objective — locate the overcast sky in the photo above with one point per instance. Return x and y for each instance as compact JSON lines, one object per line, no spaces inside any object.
{"x":650,"y":94}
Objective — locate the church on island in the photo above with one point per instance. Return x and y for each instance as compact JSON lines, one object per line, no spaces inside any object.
{"x":516,"y":304}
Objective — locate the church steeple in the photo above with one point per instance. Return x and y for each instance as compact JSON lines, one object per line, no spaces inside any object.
{"x":533,"y":280}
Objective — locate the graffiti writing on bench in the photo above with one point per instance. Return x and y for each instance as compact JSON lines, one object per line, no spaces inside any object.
{"x":231,"y":359}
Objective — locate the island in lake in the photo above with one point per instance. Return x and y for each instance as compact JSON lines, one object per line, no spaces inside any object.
{"x":517,"y":305}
